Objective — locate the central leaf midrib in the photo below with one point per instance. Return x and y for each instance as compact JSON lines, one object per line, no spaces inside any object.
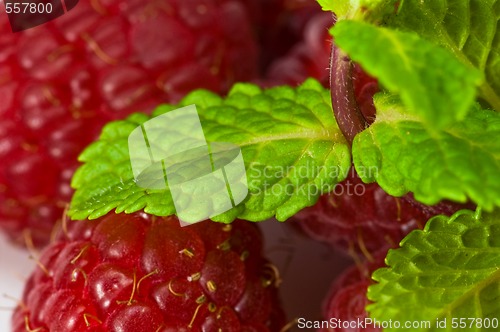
{"x":310,"y":135}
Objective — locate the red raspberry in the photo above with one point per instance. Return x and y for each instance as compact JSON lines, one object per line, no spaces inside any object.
{"x":346,"y":300}
{"x":359,"y":218}
{"x":362,"y":218}
{"x":61,"y":81}
{"x":365,"y":87}
{"x":311,"y":58}
{"x":308,"y":58}
{"x":281,"y":26}
{"x":143,"y":273}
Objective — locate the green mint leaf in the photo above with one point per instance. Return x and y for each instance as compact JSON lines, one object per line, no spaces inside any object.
{"x":449,"y":270}
{"x":292,"y":149}
{"x":432,"y":83}
{"x":334,"y":6}
{"x":458,"y":163}
{"x":368,"y":10}
{"x":468,"y":28}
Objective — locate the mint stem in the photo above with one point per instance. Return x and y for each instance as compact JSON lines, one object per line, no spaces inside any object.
{"x":345,"y":107}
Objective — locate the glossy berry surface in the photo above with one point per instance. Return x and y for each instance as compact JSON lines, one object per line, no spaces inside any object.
{"x":365,"y":87}
{"x":142,"y":273}
{"x":359,"y":218}
{"x":310,"y":56}
{"x":346,"y":300}
{"x":61,"y":81}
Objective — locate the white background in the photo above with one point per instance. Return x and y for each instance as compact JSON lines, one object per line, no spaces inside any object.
{"x":15,"y":267}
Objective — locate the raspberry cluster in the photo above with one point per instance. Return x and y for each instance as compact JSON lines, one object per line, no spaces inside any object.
{"x":62,"y":81}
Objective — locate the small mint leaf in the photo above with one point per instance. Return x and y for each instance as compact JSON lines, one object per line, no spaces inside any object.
{"x":450,"y":270}
{"x":458,"y":163}
{"x":367,"y":10}
{"x":333,"y":6}
{"x":432,"y":83}
{"x":467,"y":28}
{"x":292,"y":148}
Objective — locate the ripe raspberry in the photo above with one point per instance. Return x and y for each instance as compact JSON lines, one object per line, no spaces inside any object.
{"x":143,"y":273}
{"x":61,"y":81}
{"x":281,"y":26}
{"x":359,"y":218}
{"x":346,"y":300}
{"x":365,"y":87}
{"x":362,"y":218}
{"x":308,"y":58}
